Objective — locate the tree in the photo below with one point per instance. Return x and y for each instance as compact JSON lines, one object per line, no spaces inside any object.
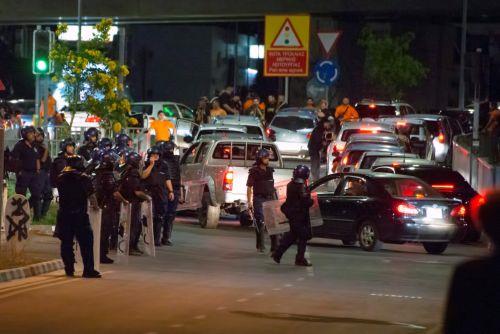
{"x":389,"y":64}
{"x":91,"y":79}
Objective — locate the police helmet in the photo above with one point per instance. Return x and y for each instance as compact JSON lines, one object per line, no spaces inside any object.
{"x":153,"y":150}
{"x":262,"y":154}
{"x":75,"y":162}
{"x":301,"y":173}
{"x":105,"y":143}
{"x":167,"y":148}
{"x":95,"y":155}
{"x":121,"y":140}
{"x":40,"y":132}
{"x":65,"y":143}
{"x":91,"y":132}
{"x":107,"y":159}
{"x":133,"y":159}
{"x":25,"y":130}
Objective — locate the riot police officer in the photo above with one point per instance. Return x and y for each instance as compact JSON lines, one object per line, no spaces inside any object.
{"x":91,"y":136}
{"x":67,"y":149}
{"x":105,"y":143}
{"x":107,"y":194}
{"x":27,"y":158}
{"x":156,"y":179}
{"x":121,"y":148}
{"x":45,"y":163}
{"x":75,"y":189}
{"x":173,"y":188}
{"x":296,"y":208}
{"x":260,"y":188}
{"x":132,"y":190}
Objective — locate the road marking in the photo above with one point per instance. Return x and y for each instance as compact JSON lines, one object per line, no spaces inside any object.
{"x":300,"y":279}
{"x":176,"y":325}
{"x":394,"y":296}
{"x":200,"y":317}
{"x":386,"y":261}
{"x":220,"y":308}
{"x":288,"y":285}
{"x":259,"y":294}
{"x":276,"y":289}
{"x":242,"y":300}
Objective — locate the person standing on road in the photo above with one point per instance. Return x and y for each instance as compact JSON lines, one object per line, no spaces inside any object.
{"x":345,"y":112}
{"x":75,"y":189}
{"x":91,"y":136}
{"x":27,"y":158}
{"x":162,"y":127}
{"x":474,"y":295}
{"x":296,"y":208}
{"x":67,"y":147}
{"x":131,"y":189}
{"x":45,"y":164}
{"x":174,"y":191}
{"x":316,"y":146}
{"x":260,"y":189}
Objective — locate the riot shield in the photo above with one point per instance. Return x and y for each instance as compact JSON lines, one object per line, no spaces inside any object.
{"x":147,"y":234}
{"x":95,"y":215}
{"x":122,"y":250}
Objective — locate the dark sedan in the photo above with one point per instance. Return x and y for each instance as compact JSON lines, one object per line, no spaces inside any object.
{"x":373,"y":208}
{"x":445,"y":180}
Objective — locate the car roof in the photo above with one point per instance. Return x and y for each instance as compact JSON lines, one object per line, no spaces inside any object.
{"x":426,"y":117}
{"x":367,"y":124}
{"x":399,"y":119}
{"x":389,"y":161}
{"x":389,"y":154}
{"x":377,"y":175}
{"x":235,"y":127}
{"x":359,"y":137}
{"x":237,"y":119}
{"x":296,"y":112}
{"x":381,"y":102}
{"x":360,"y":146}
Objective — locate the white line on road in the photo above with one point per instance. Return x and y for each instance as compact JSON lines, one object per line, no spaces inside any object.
{"x":176,"y":325}
{"x":220,"y":308}
{"x":200,"y":317}
{"x":394,"y":296}
{"x":259,"y":294}
{"x":288,"y":285}
{"x":242,"y":300}
{"x":300,"y":279}
{"x":276,"y":289}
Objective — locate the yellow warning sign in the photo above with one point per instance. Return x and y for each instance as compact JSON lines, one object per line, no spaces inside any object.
{"x":287,"y":46}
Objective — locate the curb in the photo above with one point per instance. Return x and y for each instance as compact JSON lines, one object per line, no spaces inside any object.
{"x":31,"y":270}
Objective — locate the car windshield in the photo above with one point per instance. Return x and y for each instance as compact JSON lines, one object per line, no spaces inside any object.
{"x":438,"y":177}
{"x":292,"y":123}
{"x":368,"y":161}
{"x":254,"y":130}
{"x":409,"y":188}
{"x":375,"y":111}
{"x":145,"y":109}
{"x":434,"y":127}
{"x":346,"y":134}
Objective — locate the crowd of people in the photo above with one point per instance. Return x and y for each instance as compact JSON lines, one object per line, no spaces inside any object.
{"x":106,"y":174}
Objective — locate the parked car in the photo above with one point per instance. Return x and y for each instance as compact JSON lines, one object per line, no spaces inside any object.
{"x":27,"y":109}
{"x":374,"y":109}
{"x":337,"y":146}
{"x":214,"y":175}
{"x":368,"y":158}
{"x":374,"y":138}
{"x":373,"y":208}
{"x":396,"y":161}
{"x":443,"y":179}
{"x":252,"y":124}
{"x":215,"y":130}
{"x":291,"y":129}
{"x":442,"y":129}
{"x":353,"y":152}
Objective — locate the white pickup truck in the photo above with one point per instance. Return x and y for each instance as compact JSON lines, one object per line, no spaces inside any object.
{"x":214,"y":175}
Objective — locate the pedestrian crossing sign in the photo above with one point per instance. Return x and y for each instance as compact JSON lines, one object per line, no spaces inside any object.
{"x":287,"y":45}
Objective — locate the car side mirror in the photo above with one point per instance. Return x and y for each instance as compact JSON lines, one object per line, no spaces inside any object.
{"x":188,"y":139}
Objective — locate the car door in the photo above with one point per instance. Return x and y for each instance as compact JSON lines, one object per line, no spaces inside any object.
{"x":185,"y":112}
{"x":193,"y":179}
{"x":324,"y":193}
{"x":184,"y":128}
{"x":348,"y":203}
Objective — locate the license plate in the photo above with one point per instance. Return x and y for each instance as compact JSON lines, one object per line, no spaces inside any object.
{"x":434,"y":213}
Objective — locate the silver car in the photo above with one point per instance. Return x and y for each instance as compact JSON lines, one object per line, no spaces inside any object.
{"x":214,"y":130}
{"x":374,"y":138}
{"x":253,"y":124}
{"x":291,"y":129}
{"x":354,"y":151}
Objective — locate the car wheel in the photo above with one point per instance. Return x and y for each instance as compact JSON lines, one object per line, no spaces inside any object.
{"x":208,"y":215}
{"x":435,"y":247}
{"x":245,"y":219}
{"x":368,"y":237}
{"x":346,"y":242}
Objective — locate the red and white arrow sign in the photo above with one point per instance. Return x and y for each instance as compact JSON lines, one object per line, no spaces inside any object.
{"x":328,"y":39}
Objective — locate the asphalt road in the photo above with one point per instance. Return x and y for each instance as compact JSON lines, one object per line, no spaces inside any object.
{"x":213,"y":281}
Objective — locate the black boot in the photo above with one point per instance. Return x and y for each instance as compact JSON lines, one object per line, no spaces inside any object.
{"x":106,"y":260}
{"x":92,"y":274}
{"x":303,"y":262}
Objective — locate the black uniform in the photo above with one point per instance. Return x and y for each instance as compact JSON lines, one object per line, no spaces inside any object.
{"x":86,"y":150}
{"x":262,"y":183}
{"x":27,"y":177}
{"x":315,"y":147}
{"x":106,"y":185}
{"x":298,"y":202}
{"x":73,"y":221}
{"x":130,"y":183}
{"x":46,"y":189}
{"x":155,"y":184}
{"x":56,"y":168}
{"x":174,"y":174}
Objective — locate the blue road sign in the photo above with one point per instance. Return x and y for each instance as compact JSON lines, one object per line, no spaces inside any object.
{"x":327,"y":72}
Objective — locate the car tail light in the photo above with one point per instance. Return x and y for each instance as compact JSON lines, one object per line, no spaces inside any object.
{"x":443,"y":187}
{"x":337,"y":148}
{"x":92,"y":119}
{"x":372,"y":106}
{"x":344,"y":161}
{"x":459,"y":211}
{"x":228,"y":180}
{"x":441,"y":138}
{"x":308,"y":136}
{"x":401,"y":123}
{"x":406,"y":209}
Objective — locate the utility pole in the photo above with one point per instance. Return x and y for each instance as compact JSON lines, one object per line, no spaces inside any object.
{"x":463,"y":45}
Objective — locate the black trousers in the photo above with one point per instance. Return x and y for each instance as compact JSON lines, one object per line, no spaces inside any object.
{"x":46,"y":192}
{"x":135,"y":225}
{"x":315,"y":163}
{"x":30,"y":180}
{"x":299,"y":233}
{"x":108,"y":226}
{"x":159,"y":208}
{"x":70,"y":226}
{"x":170,"y":216}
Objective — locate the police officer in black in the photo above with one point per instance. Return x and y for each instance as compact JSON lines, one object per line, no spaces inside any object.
{"x":27,"y":158}
{"x":131,"y":189}
{"x":105,"y":143}
{"x":121,"y":148}
{"x":91,"y":136}
{"x":175,"y":195}
{"x":156,"y":178}
{"x":260,"y":188}
{"x":67,"y":149}
{"x":108,"y":198}
{"x":75,"y":189}
{"x":296,"y":208}
{"x":45,"y":163}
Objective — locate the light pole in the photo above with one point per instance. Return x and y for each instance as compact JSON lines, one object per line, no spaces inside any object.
{"x":463,"y":45}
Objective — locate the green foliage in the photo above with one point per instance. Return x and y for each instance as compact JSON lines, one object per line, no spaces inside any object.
{"x":388,"y":63}
{"x":90,"y":71}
